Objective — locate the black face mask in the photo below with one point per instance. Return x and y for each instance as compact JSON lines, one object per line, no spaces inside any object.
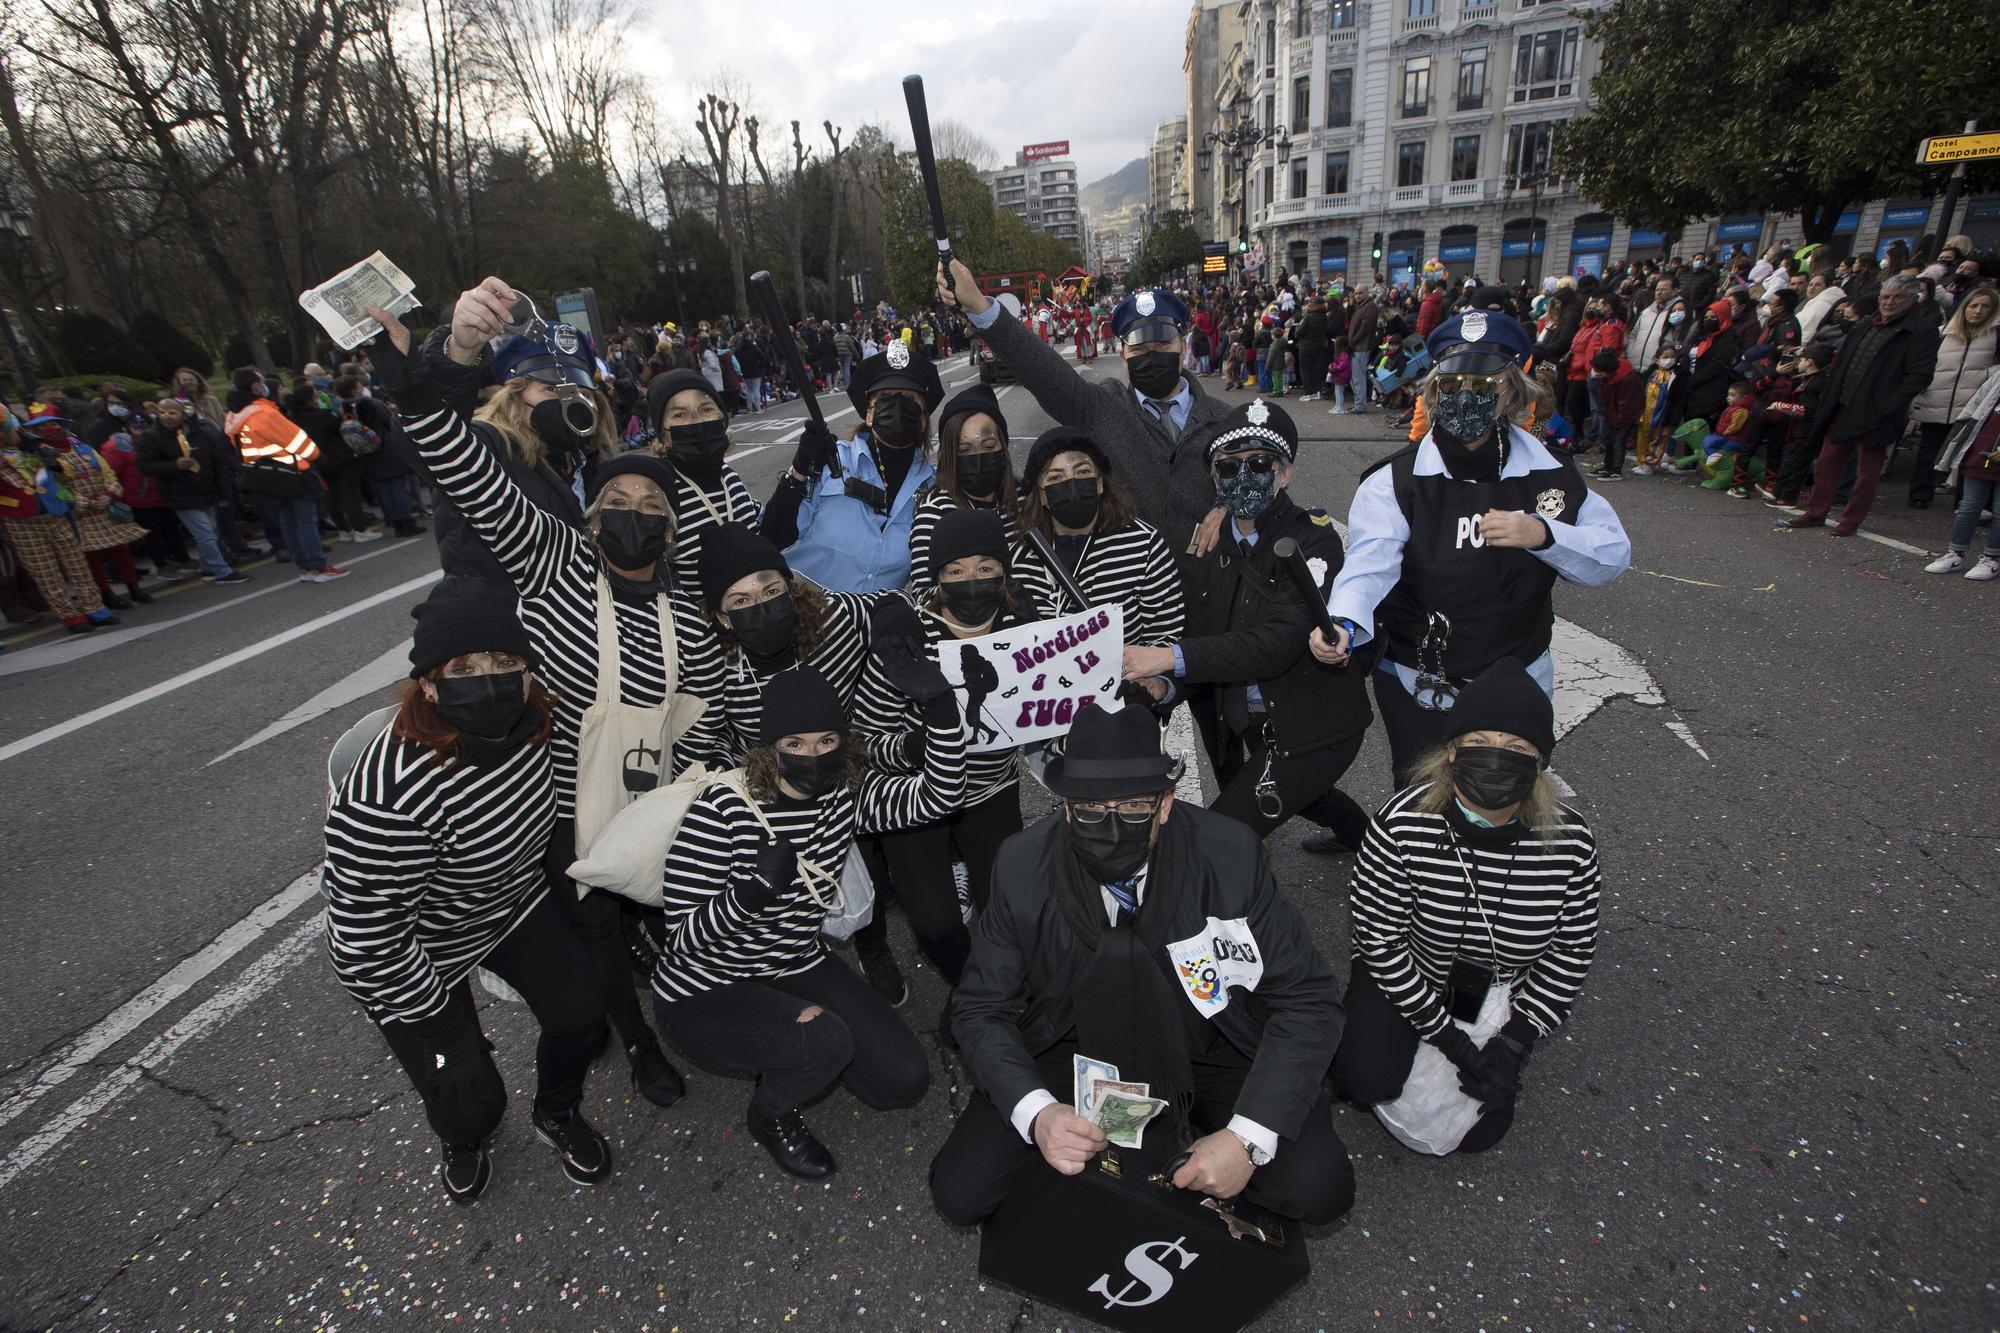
{"x":1113,"y":850}
{"x":765,"y":630}
{"x":979,"y":474}
{"x":898,"y":422}
{"x":546,"y":419}
{"x":1155,"y":374}
{"x":1492,"y":778}
{"x":630,"y":539}
{"x":1461,"y":419}
{"x":812,"y":774}
{"x":482,"y":706}
{"x":973,"y":601}
{"x":697,"y":449}
{"x":1073,"y":502}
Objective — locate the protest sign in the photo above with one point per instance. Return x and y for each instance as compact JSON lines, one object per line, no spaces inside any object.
{"x":1026,"y":683}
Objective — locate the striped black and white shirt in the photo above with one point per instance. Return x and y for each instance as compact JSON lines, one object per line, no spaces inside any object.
{"x":893,"y":728}
{"x":1131,"y":567}
{"x":732,"y":503}
{"x":930,"y":509}
{"x":711,"y":940}
{"x":1533,"y":922}
{"x":428,"y":866}
{"x":840,"y":657}
{"x":555,"y":568}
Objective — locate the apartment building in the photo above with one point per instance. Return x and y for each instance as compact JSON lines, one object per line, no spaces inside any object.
{"x":1043,"y":193}
{"x":1166,"y":164}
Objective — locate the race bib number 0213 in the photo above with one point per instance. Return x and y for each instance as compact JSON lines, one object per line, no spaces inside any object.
{"x":1222,"y":955}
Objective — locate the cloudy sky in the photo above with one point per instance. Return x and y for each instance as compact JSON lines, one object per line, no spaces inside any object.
{"x":1026,"y":71}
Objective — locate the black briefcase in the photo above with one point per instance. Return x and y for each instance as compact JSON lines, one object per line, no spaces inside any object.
{"x":1130,"y":1251}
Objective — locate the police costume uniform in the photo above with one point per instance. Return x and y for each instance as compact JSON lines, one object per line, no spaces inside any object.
{"x":848,"y":532}
{"x":1419,"y":573}
{"x":1281,"y":727}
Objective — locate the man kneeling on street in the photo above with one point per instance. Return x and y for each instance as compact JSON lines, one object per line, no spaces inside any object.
{"x":1137,"y":955}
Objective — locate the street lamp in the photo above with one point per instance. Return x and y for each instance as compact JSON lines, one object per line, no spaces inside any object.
{"x":1534,"y":181}
{"x":672,"y":266}
{"x":1243,"y":142}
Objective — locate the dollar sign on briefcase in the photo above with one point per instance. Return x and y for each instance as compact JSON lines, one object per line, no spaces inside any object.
{"x":1145,"y":1262}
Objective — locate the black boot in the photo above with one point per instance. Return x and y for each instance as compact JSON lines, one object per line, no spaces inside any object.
{"x":410,"y":529}
{"x":113,"y":600}
{"x":139,"y":595}
{"x":879,"y":966}
{"x":1325,"y":842}
{"x":585,"y":1153}
{"x":464,"y":1172}
{"x":652,"y":1077}
{"x":791,"y":1145}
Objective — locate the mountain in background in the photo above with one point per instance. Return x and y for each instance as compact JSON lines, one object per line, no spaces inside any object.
{"x":1122,"y":189}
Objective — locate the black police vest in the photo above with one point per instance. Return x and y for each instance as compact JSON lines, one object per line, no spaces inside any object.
{"x":1497,"y":598}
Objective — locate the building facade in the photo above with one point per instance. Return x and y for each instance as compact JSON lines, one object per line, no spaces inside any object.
{"x":1166,"y":163}
{"x":1427,"y":124}
{"x":1043,"y":193}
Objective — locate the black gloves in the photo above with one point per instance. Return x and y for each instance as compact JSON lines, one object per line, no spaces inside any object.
{"x":396,"y":368}
{"x":459,"y":1067}
{"x":777,"y":867}
{"x":817,"y":448}
{"x":913,"y":673}
{"x":1456,"y":1046}
{"x":892,"y":620}
{"x":1491,"y":1074}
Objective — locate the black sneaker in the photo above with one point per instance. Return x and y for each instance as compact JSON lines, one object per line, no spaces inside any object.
{"x":879,"y":966}
{"x":1325,"y":842}
{"x":653,"y":1077}
{"x":791,"y":1145}
{"x":586,"y":1155}
{"x":233,"y":577}
{"x":464,"y":1172}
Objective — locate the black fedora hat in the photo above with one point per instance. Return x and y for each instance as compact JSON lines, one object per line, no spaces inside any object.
{"x":1111,"y":755}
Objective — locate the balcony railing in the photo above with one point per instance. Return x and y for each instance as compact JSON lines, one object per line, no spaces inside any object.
{"x":1409,"y":196}
{"x":1465,"y":192}
{"x":1468,"y":13}
{"x":1313,"y":207}
{"x":1425,"y":23}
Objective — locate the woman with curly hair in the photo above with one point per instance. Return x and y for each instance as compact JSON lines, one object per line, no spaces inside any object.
{"x":746,"y":981}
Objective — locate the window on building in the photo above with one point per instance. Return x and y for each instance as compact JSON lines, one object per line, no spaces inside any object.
{"x":1335,"y":180}
{"x":1339,"y":97}
{"x":1472,"y":78}
{"x":1409,"y":164}
{"x":1298,"y":180}
{"x":1302,"y":95}
{"x":1529,"y":146}
{"x":1270,"y":110}
{"x":1270,"y":47}
{"x":1340,"y":14}
{"x":1417,"y":86}
{"x":1302,"y":19}
{"x":1545,"y":65}
{"x":1465,"y":157}
{"x":1423,"y":9}
{"x":1269,"y":193}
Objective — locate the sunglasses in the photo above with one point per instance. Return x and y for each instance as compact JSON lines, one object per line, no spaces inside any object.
{"x":1260,"y":464}
{"x":1468,"y":383}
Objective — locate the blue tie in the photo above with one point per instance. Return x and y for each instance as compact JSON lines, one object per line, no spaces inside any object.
{"x":1126,"y":894}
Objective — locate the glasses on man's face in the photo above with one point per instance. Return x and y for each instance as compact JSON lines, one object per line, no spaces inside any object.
{"x":1468,"y":383}
{"x":1261,"y":465}
{"x":1135,"y":811}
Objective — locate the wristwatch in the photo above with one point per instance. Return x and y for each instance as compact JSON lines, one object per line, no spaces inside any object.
{"x":1258,"y":1157}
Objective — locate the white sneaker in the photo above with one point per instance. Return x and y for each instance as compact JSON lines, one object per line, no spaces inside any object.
{"x":1642,"y":471}
{"x":1987,"y":569}
{"x":369,"y":536}
{"x":1946,"y":563}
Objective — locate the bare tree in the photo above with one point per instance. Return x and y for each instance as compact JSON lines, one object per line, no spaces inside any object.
{"x":800,"y":155}
{"x":718,"y":120}
{"x":833,"y":218}
{"x":951,"y":138}
{"x":563,"y":61}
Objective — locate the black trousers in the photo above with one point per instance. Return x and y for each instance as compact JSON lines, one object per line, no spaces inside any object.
{"x":1308,"y":785}
{"x":1413,"y":732}
{"x":343,"y":497}
{"x":984,"y":1160}
{"x":599,"y":928}
{"x":753,"y":1027}
{"x":920,"y":866}
{"x":1924,"y":480}
{"x":163,"y":536}
{"x":1376,"y":1051}
{"x":541,"y":959}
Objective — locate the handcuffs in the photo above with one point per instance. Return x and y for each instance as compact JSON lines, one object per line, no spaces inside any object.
{"x":1434,"y":691}
{"x":579,"y":402}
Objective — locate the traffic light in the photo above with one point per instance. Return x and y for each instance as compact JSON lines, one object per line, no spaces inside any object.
{"x":1243,"y":239}
{"x":1378,"y":247}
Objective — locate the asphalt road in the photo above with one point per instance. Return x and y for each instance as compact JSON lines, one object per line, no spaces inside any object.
{"x":1766,"y":1113}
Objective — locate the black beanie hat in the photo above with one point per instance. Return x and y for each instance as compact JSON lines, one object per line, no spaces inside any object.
{"x":728,"y":552}
{"x":651,"y":466}
{"x":1061,"y":440}
{"x":963,"y":532}
{"x":799,"y":700}
{"x":1504,"y":697}
{"x":666,"y":384}
{"x":465,"y":615}
{"x":977,"y":398}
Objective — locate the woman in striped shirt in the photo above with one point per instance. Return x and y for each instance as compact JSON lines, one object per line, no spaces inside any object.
{"x":746,"y":981}
{"x":1072,"y":498}
{"x":630,"y":658}
{"x":434,"y":847}
{"x":1475,"y":876}
{"x":974,"y":471}
{"x":968,"y":557}
{"x":691,"y":431}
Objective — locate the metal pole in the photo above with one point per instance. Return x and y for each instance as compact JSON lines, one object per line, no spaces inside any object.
{"x":1951,"y":189}
{"x":30,"y":386}
{"x":1534,"y":229}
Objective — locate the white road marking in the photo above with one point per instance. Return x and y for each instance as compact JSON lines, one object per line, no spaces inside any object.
{"x":1875,"y":537}
{"x":67,"y":650}
{"x":178,"y":981}
{"x":241,"y":655}
{"x":1181,"y":741}
{"x":203,"y":1019}
{"x":388,"y":669}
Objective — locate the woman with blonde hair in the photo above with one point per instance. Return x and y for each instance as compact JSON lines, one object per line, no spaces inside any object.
{"x":1475,"y":902}
{"x":1966,"y":356}
{"x":1456,"y":542}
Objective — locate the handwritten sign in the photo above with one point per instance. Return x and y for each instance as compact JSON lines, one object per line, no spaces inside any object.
{"x":1026,"y":683}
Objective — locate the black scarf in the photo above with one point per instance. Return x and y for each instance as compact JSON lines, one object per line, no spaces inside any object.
{"x":1127,"y":1005}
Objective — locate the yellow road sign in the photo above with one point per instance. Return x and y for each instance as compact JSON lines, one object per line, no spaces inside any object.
{"x":1958,"y":148}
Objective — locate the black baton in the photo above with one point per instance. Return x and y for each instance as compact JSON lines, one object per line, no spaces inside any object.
{"x":1062,"y":576}
{"x":1294,"y":563}
{"x":781,"y":329}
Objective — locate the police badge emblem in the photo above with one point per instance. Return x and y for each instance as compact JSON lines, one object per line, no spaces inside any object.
{"x":1472,"y":326}
{"x":1259,"y":412}
{"x":564,"y":337}
{"x":1550,"y":504}
{"x":1143,"y":303}
{"x":898,"y":353}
